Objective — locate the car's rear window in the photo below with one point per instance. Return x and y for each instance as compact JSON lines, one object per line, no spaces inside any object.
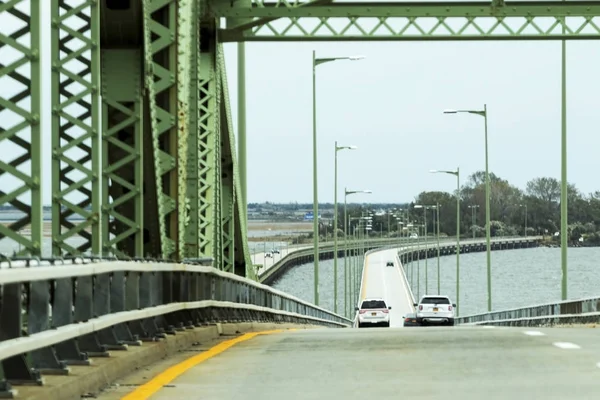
{"x":435,"y":300}
{"x":370,"y":304}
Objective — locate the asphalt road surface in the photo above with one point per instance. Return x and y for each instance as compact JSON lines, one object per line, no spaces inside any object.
{"x":446,"y":363}
{"x":401,"y":363}
{"x":387,"y":283}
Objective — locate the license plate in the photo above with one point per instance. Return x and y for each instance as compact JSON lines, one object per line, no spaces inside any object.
{"x":435,"y":309}
{"x":373,"y":313}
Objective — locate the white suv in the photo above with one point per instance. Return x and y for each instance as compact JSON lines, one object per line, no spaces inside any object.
{"x":435,"y":309}
{"x":372,"y":312}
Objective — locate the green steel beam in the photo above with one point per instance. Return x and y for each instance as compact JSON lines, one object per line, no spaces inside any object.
{"x":122,"y":176}
{"x":229,"y":176}
{"x":208,"y":202}
{"x":191,"y":203}
{"x":405,"y":21}
{"x":20,"y":133}
{"x":75,"y":127}
{"x":160,"y":50}
{"x":269,"y":18}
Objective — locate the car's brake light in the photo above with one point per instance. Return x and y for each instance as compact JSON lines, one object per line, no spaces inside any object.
{"x":386,"y":311}
{"x":362,"y":311}
{"x":449,"y":308}
{"x":406,"y":319}
{"x":420,"y":308}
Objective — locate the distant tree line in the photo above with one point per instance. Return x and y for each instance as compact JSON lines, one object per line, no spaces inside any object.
{"x":511,"y":208}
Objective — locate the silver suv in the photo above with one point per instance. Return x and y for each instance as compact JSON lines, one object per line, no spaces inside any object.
{"x":435,"y":309}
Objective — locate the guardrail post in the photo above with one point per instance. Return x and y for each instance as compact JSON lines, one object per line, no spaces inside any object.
{"x":183,"y":295}
{"x":117,"y":304}
{"x":132,"y":302}
{"x":84,"y":311}
{"x":148,"y":287}
{"x":102,"y":296}
{"x":16,"y":369}
{"x":44,"y":360}
{"x":62,"y":314}
{"x":171,"y":292}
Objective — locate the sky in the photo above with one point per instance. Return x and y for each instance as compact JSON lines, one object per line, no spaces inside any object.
{"x":390,"y":105}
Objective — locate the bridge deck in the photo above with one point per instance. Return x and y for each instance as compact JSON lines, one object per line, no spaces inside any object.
{"x":388,"y":283}
{"x":466,"y":362}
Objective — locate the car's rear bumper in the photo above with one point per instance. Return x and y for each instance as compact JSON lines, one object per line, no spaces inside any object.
{"x":374,"y":321}
{"x":445,"y":315}
{"x":436,"y":320}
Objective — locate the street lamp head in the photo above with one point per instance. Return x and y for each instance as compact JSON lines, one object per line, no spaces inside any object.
{"x":358,"y":191}
{"x":337,"y":148}
{"x":434,"y":171}
{"x":356,"y":58}
{"x":449,"y":111}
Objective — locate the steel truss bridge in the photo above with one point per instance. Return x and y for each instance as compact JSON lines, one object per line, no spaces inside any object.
{"x":142,"y":141}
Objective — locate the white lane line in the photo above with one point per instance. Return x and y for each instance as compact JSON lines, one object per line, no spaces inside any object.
{"x":382,"y":273}
{"x":566,"y":345}
{"x":598,"y":365}
{"x":488,"y":326}
{"x":534,"y":333}
{"x":397,"y":266}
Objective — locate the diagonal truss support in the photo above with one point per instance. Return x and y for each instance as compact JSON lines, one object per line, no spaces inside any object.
{"x":235,"y":243}
{"x":75,"y":127}
{"x":266,"y":19}
{"x":122,"y":169}
{"x":207,"y":152}
{"x":409,"y":21}
{"x":20,"y":133}
{"x":160,"y":52}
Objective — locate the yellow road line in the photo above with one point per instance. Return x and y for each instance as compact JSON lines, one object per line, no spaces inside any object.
{"x":364,"y":280}
{"x":155,"y":384}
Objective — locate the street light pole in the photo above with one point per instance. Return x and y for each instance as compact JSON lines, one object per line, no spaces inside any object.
{"x":315,"y":196}
{"x":487,"y":200}
{"x":564,"y":210}
{"x":525,"y":205}
{"x":457,"y":174}
{"x":473,"y":217}
{"x":425,"y":208}
{"x":347,"y":281}
{"x":437,"y":209}
{"x":316,"y":61}
{"x":335,"y":226}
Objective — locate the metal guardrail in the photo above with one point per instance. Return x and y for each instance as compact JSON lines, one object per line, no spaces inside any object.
{"x":82,"y":308}
{"x":274,"y":271}
{"x":565,"y":312}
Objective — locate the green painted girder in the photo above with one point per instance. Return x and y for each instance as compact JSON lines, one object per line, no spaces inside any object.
{"x":20,"y":133}
{"x":160,"y":52}
{"x":228,"y":174}
{"x":187,"y":116}
{"x":76,"y":118}
{"x":405,"y":21}
{"x":208,"y":202}
{"x":122,"y":169}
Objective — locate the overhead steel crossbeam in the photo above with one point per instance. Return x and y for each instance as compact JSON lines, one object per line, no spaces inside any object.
{"x":409,"y":21}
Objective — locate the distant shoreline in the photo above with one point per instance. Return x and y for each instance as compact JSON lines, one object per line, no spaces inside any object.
{"x":285,"y":227}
